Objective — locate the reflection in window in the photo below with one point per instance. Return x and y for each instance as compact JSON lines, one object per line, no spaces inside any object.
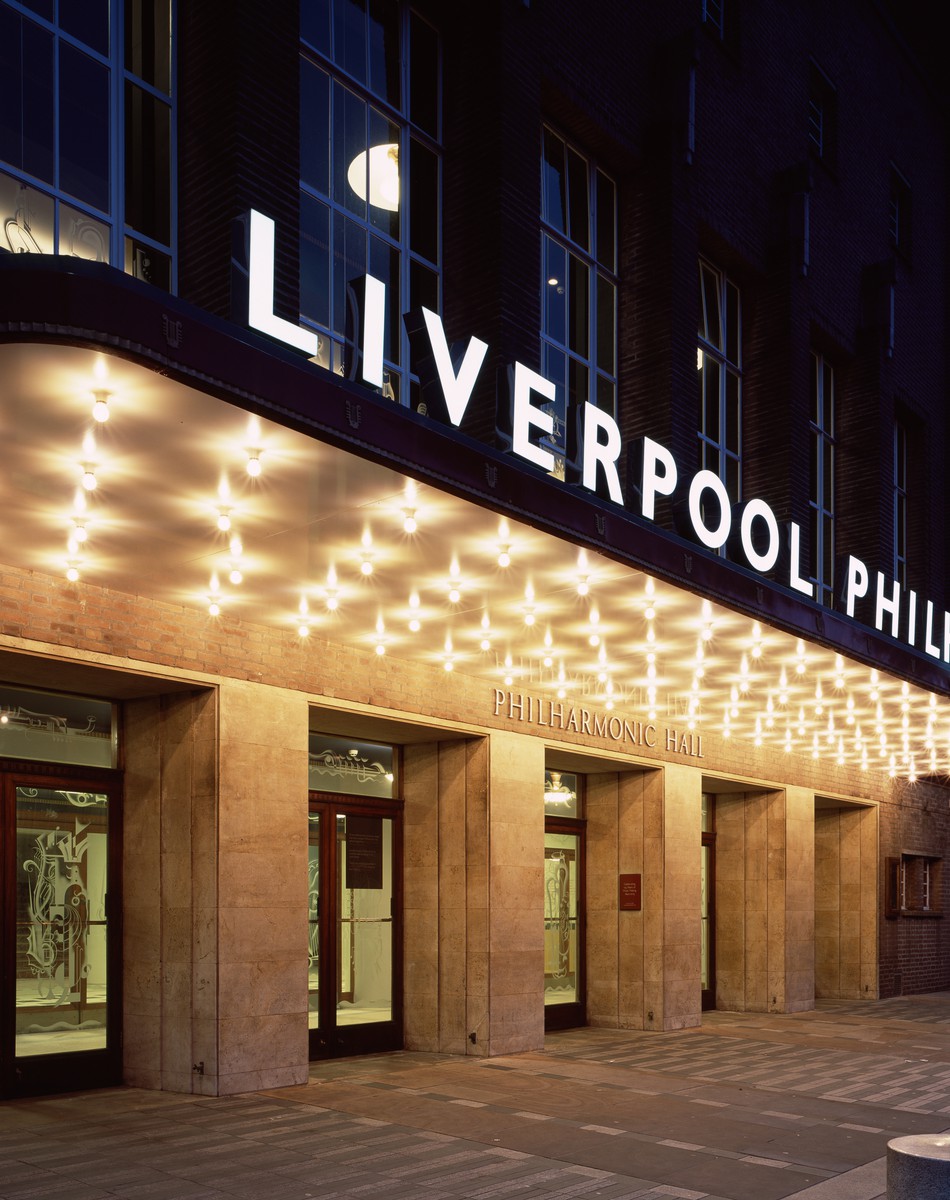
{"x":369,"y":172}
{"x":719,"y":376}
{"x":60,"y":142}
{"x":821,"y":495}
{"x":579,"y":284}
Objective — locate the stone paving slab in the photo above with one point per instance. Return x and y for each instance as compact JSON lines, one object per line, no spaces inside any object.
{"x":747,"y":1107}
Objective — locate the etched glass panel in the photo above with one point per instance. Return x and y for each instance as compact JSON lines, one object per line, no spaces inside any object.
{"x":61,"y":958}
{"x":55,"y":728}
{"x":560,"y":918}
{"x":351,"y":767}
{"x":313,"y":891}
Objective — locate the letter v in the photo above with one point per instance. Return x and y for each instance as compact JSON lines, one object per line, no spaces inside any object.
{"x":457,"y":380}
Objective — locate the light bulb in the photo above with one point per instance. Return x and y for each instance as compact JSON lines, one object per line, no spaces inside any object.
{"x":89,"y":479}
{"x":236,"y":577}
{"x":214,"y":609}
{"x":72,"y":574}
{"x":100,"y":408}
{"x":409,"y":524}
{"x":224,"y":520}
{"x":253,"y":463}
{"x":366,"y":567}
{"x":303,"y":630}
{"x":504,"y":557}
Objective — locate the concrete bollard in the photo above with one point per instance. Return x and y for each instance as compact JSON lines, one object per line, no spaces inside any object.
{"x":918,"y":1167}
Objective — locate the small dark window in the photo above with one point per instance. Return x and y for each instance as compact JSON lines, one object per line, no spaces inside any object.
{"x":899,"y":215}
{"x":822,"y":117}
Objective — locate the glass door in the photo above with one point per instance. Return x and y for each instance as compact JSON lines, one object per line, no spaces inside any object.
{"x":355,"y":927}
{"x":707,"y":903}
{"x":60,"y":936}
{"x":564,"y":1006}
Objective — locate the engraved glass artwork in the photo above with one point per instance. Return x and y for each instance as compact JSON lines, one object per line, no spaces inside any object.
{"x":560,"y":918}
{"x":57,"y":728}
{"x":61,"y":960}
{"x":313,"y":891}
{"x":351,"y":767}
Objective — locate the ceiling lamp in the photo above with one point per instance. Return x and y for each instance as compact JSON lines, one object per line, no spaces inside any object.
{"x":382,"y":170}
{"x":100,"y":408}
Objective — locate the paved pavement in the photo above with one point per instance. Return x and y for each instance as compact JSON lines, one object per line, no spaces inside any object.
{"x":747,"y":1107}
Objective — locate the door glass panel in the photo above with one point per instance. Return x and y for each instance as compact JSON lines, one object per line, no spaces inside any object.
{"x":560,"y":918}
{"x":61,"y":960}
{"x":364,"y":919}
{"x":313,"y":887}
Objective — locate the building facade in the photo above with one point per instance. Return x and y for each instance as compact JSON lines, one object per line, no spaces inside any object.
{"x":475,"y":541}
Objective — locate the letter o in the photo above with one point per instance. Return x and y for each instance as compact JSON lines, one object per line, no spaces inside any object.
{"x":766,"y":561}
{"x":704,"y":481}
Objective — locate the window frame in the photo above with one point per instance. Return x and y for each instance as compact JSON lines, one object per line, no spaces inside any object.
{"x":120,"y":79}
{"x":720,"y":434}
{"x":558,"y":241}
{"x":337,"y":330}
{"x":899,"y":467}
{"x":822,"y":435}
{"x":822,"y":117}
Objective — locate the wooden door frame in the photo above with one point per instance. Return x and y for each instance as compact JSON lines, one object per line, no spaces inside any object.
{"x":330,"y":1040}
{"x":81,"y":1069}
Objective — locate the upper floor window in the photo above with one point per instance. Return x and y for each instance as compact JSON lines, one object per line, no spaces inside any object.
{"x":578,"y":284}
{"x":900,"y":503}
{"x":370,"y":171}
{"x":86,"y":133}
{"x":898,"y":214}
{"x":719,"y":370}
{"x":714,"y":16}
{"x":821,"y":494}
{"x":822,"y":116}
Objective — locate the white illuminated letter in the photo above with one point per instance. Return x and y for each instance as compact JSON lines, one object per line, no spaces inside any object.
{"x":457,"y":388}
{"x":856,"y":583}
{"x":374,"y":326}
{"x":883,"y":605}
{"x":795,"y":557}
{"x":524,"y":415}
{"x":655,"y":483}
{"x":260,"y":289}
{"x":704,"y":481}
{"x":766,"y":561}
{"x":606,"y":453}
{"x":929,"y":644}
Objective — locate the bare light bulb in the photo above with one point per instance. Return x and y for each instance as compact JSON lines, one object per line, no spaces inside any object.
{"x":100,"y":408}
{"x":253,"y":464}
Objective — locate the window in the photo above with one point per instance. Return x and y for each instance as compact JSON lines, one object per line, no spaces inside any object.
{"x":822,"y":117}
{"x":821,"y":495}
{"x":579,"y":283}
{"x":719,"y":371}
{"x":370,"y":166}
{"x":900,"y":503}
{"x":714,"y":16}
{"x":919,"y":883}
{"x":899,"y":211}
{"x":77,"y":176}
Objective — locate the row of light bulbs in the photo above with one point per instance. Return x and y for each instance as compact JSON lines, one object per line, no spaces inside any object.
{"x":812,"y":727}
